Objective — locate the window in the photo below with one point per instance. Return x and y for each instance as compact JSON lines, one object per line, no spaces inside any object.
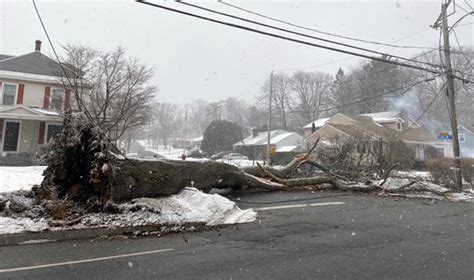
{"x":399,"y":126}
{"x":9,"y":94}
{"x":11,"y":136}
{"x":462,"y":137}
{"x":52,"y":130}
{"x":57,"y":99}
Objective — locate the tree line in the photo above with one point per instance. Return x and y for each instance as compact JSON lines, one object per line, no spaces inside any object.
{"x":117,"y":91}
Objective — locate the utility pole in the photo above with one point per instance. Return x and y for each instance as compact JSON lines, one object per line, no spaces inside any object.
{"x":451,"y":94}
{"x":269,"y":147}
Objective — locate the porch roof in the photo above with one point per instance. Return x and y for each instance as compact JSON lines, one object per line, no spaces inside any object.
{"x":21,"y":112}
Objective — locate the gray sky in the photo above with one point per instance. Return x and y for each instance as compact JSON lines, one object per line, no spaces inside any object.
{"x":195,"y":59}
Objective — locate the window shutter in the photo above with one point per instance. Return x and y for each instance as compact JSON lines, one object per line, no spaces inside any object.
{"x":67,"y":100}
{"x":21,"y":92}
{"x":47,"y":94}
{"x":41,"y":133}
{"x":1,"y":128}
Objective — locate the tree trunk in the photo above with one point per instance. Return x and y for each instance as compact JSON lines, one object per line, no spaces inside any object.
{"x":83,"y":167}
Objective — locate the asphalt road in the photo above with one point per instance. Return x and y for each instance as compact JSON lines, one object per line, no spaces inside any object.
{"x":365,"y":238}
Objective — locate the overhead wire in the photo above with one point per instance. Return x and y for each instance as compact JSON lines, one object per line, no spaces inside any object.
{"x":468,"y":60}
{"x":461,"y":7}
{"x":302,"y":34}
{"x":76,"y":95}
{"x":284,"y":37}
{"x":404,"y":90}
{"x":319,"y":31}
{"x":459,"y":20}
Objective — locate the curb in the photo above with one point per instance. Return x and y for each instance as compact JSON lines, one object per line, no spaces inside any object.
{"x":84,"y":233}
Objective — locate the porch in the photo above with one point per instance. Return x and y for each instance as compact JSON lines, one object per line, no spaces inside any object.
{"x":24,"y":134}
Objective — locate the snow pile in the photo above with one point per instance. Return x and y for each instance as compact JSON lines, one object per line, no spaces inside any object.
{"x":189,"y":206}
{"x":424,"y":189}
{"x":20,"y":178}
{"x":15,"y":225}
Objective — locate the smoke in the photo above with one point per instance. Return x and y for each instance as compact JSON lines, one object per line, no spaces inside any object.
{"x":407,"y":102}
{"x":410,"y":104}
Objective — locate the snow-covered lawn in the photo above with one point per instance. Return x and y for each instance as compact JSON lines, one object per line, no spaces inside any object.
{"x":188,"y":206}
{"x":20,"y":178}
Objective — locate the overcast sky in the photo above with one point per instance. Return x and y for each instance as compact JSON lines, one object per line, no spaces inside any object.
{"x":195,"y":59}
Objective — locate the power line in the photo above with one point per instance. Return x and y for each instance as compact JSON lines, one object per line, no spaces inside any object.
{"x":468,"y":60}
{"x":407,"y":88}
{"x":461,"y":7}
{"x":404,"y":88}
{"x":302,"y":34}
{"x":86,"y":112}
{"x":319,"y":31}
{"x":286,"y":38}
{"x":88,"y":115}
{"x":460,"y":19}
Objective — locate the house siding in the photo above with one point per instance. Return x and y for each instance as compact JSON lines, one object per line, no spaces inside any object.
{"x":33,"y":92}
{"x":327,"y":132}
{"x":467,"y":147}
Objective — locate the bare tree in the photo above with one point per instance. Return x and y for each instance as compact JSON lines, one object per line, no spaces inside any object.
{"x":166,"y":115}
{"x":431,"y":96}
{"x":198,"y":119}
{"x":281,"y":98}
{"x":311,"y":93}
{"x":372,"y":79}
{"x":114,"y":88}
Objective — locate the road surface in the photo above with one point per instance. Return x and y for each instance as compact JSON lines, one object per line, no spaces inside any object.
{"x":298,"y":235}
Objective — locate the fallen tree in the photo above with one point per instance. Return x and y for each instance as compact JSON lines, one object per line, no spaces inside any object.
{"x":84,"y":168}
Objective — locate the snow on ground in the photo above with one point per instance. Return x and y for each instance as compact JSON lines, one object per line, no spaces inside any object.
{"x":20,"y":178}
{"x":412,"y":174}
{"x":188,"y":206}
{"x":16,"y":225}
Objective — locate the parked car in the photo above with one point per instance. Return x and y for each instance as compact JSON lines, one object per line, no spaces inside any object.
{"x":235,"y":156}
{"x":220,"y":155}
{"x":196,"y":154}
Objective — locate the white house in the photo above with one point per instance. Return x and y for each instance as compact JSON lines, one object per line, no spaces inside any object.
{"x":32,"y":98}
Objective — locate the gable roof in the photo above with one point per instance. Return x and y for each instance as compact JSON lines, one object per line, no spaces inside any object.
{"x":22,"y":112}
{"x":318,"y":123}
{"x":5,"y":56}
{"x":276,"y":136}
{"x":383,"y":117}
{"x":470,"y":128}
{"x":32,"y":63}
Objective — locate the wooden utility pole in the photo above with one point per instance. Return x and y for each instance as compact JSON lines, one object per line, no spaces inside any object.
{"x":451,"y":97}
{"x":270,"y":96}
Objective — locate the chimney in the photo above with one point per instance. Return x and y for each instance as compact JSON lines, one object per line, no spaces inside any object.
{"x":38,"y":45}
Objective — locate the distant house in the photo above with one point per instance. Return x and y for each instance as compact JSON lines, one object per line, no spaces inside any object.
{"x":255,"y":146}
{"x":466,"y":140}
{"x":312,"y":127}
{"x":378,"y":128}
{"x":32,"y":98}
{"x":395,"y":120}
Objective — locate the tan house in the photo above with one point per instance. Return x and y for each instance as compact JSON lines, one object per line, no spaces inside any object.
{"x":375,"y":128}
{"x":32,"y":98}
